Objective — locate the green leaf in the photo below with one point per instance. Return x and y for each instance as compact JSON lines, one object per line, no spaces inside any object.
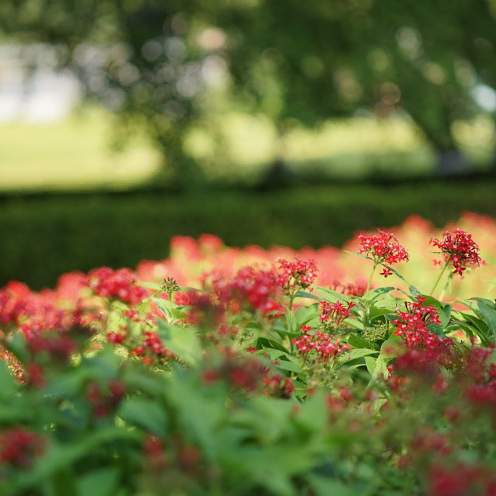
{"x":313,"y":413}
{"x":59,"y":456}
{"x":291,"y":322}
{"x":305,"y":294}
{"x":326,"y":487}
{"x":306,"y":314}
{"x":377,"y":367}
{"x":358,"y":353}
{"x":16,"y":344}
{"x":199,"y":415}
{"x":397,"y":274}
{"x":147,"y":414}
{"x":358,"y":342}
{"x":371,"y":365}
{"x":64,"y":483}
{"x":288,"y":365}
{"x":8,"y":385}
{"x":375,"y":293}
{"x":477,"y":325}
{"x":171,"y":311}
{"x":330,"y":295}
{"x":487,"y":311}
{"x":359,"y":255}
{"x":102,"y":482}
{"x":391,"y":346}
{"x":414,"y":291}
{"x":182,"y":341}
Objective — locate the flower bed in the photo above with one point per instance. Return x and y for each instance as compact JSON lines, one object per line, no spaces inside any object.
{"x":222,"y":371}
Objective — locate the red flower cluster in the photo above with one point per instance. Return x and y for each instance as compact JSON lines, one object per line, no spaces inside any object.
{"x":12,"y":308}
{"x":324,"y":345}
{"x":332,"y":315}
{"x":278,"y":386}
{"x":459,"y":249}
{"x":152,"y":349}
{"x":59,"y":346}
{"x":256,"y":289}
{"x":203,"y":309}
{"x":383,"y":249}
{"x":412,"y":325}
{"x":119,"y":284}
{"x":155,"y":452}
{"x":19,"y":447}
{"x":105,"y":400}
{"x":244,"y":373}
{"x":478,"y":367}
{"x":424,"y":362}
{"x":349,"y":289}
{"x":461,"y":479}
{"x":297,"y":275}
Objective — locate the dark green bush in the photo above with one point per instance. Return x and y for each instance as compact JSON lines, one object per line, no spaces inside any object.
{"x":45,"y":236}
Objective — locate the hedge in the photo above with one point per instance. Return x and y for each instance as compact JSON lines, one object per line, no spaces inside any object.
{"x":44,"y":236}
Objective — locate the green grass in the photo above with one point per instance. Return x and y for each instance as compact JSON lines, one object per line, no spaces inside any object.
{"x":73,"y":154}
{"x":76,"y":155}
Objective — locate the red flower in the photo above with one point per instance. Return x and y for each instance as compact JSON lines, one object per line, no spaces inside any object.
{"x":412,"y":325}
{"x":296,"y":275}
{"x":383,"y":249}
{"x":459,"y":249}
{"x":119,"y":284}
{"x":333,"y":314}
{"x":19,"y":447}
{"x":324,"y":345}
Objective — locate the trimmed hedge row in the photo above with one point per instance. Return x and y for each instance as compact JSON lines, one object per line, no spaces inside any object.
{"x":43,"y":237}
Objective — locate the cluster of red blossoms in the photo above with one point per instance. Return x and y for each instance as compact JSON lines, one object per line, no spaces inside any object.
{"x":152,"y":349}
{"x":12,"y":309}
{"x":461,"y":479}
{"x":349,"y":289}
{"x":119,"y":284}
{"x":296,"y":275}
{"x":332,"y":315}
{"x":383,"y":249}
{"x":19,"y":447}
{"x":323,"y":344}
{"x":239,"y":372}
{"x":459,"y":249}
{"x":105,"y":400}
{"x":413,"y":324}
{"x":278,"y":386}
{"x":174,"y":455}
{"x":258,"y":290}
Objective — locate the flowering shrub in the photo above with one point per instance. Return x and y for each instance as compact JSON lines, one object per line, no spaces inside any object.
{"x":272,"y":379}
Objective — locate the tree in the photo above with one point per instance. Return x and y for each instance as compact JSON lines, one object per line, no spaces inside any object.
{"x":139,"y":57}
{"x":330,"y":58}
{"x":293,"y":60}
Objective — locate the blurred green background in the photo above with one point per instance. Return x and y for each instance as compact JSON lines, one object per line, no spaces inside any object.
{"x":125,"y":122}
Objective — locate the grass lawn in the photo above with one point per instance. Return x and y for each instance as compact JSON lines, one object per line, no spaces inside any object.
{"x":75,"y":154}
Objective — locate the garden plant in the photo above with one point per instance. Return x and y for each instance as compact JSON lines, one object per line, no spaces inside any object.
{"x":226,"y":372}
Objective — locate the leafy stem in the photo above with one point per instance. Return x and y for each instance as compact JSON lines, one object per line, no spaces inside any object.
{"x":439,"y":278}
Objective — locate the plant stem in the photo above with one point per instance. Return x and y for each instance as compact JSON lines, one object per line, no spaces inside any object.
{"x":450,"y":278}
{"x":370,"y":278}
{"x":439,"y":278}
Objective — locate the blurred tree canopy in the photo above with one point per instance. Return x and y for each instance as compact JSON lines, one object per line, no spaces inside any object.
{"x":155,"y":62}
